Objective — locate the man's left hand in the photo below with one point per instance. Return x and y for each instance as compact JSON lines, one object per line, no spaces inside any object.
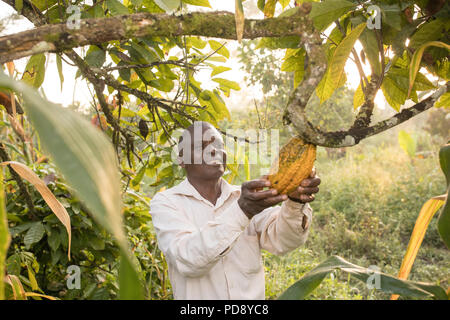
{"x":308,"y":187}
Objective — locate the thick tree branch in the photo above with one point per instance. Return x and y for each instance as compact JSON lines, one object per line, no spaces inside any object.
{"x":59,"y":37}
{"x":353,"y":136}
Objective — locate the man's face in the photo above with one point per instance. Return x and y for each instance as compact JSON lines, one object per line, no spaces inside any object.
{"x":206,"y":158}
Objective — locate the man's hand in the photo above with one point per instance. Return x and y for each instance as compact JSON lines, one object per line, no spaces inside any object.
{"x":254,"y":199}
{"x":308,"y":187}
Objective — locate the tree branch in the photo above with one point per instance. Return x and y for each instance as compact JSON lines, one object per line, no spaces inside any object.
{"x":59,"y":37}
{"x":22,"y":187}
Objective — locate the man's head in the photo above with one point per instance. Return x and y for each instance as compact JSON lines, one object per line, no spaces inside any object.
{"x":201,"y":151}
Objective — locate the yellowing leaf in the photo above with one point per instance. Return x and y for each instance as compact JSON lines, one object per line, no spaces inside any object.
{"x":417,"y":57}
{"x":269,"y":8}
{"x":239,"y":17}
{"x":58,"y":209}
{"x":358,"y":98}
{"x":423,"y":220}
{"x":444,"y":101}
{"x":17,"y":288}
{"x":219,"y":48}
{"x":34,"y":294}
{"x":34,"y":73}
{"x":335,"y":74}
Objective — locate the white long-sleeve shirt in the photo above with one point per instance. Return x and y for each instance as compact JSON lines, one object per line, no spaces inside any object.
{"x":214,"y":251}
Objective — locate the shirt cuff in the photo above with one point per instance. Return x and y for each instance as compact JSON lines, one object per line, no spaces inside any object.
{"x":299,"y":211}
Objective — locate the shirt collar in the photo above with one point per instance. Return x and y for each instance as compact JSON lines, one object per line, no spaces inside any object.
{"x":187,"y":189}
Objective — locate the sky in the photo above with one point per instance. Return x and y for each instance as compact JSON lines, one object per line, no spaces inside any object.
{"x":77,"y":90}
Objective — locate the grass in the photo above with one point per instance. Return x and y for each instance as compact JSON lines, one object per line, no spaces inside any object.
{"x":365,"y":212}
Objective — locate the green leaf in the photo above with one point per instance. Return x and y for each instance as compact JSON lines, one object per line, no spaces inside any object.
{"x":284,"y":3}
{"x":201,"y":3}
{"x":218,"y":69}
{"x":358,"y":98}
{"x":407,"y":143}
{"x":168,"y":5}
{"x":394,"y":94}
{"x":261,"y":4}
{"x":269,"y":8}
{"x":335,"y":74}
{"x":83,"y":154}
{"x":444,"y":217}
{"x":417,"y":57}
{"x":444,"y":101}
{"x":326,"y":12}
{"x":388,"y":283}
{"x":152,"y":7}
{"x":227,"y":83}
{"x":95,"y":57}
{"x":5,"y":238}
{"x":130,"y":285}
{"x":219,"y":48}
{"x":34,"y":234}
{"x":392,"y":15}
{"x":18,"y":4}
{"x":294,"y":60}
{"x":54,"y":240}
{"x":116,"y":7}
{"x":371,"y":50}
{"x":197,"y":42}
{"x":34,"y":73}
{"x":426,"y":32}
{"x":139,"y":176}
{"x":43,"y":5}
{"x":60,"y":71}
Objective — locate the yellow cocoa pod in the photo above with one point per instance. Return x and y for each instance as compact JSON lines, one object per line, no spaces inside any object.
{"x":294,"y":163}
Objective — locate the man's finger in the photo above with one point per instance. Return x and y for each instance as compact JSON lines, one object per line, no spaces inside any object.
{"x":255,"y":184}
{"x":274,"y":200}
{"x":308,"y":190}
{"x":306,"y":198}
{"x":310,"y":182}
{"x":260,"y":195}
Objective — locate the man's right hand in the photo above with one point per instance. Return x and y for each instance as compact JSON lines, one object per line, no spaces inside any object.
{"x":254,"y":199}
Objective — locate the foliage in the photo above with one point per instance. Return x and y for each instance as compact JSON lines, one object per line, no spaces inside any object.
{"x":148,"y":89}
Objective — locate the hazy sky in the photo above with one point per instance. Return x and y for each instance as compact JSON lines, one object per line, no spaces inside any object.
{"x":77,"y":89}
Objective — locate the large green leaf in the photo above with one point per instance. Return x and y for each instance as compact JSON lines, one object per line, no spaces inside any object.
{"x":369,"y":42}
{"x":444,"y":217}
{"x":5,"y":238}
{"x":335,"y":75}
{"x":129,"y":282}
{"x":325,"y":12}
{"x":34,"y":234}
{"x":387,"y":283}
{"x":417,"y":58}
{"x":83,"y":154}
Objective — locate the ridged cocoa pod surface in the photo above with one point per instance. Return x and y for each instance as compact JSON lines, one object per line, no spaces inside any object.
{"x":294,"y":163}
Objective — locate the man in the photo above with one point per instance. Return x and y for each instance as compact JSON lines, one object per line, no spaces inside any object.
{"x":212,"y":233}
